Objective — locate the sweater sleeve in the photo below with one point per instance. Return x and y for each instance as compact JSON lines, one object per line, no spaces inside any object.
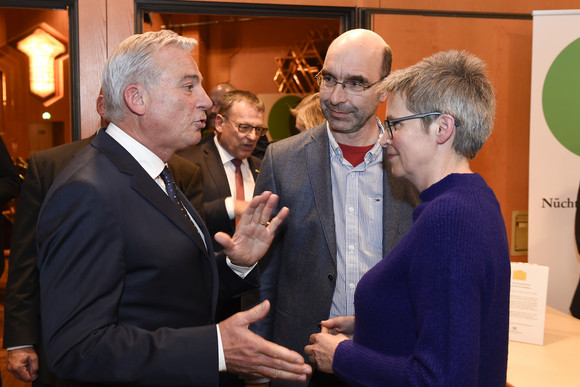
{"x":446,"y":280}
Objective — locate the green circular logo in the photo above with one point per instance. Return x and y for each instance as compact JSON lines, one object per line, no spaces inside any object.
{"x":281,"y":122}
{"x":561,"y":97}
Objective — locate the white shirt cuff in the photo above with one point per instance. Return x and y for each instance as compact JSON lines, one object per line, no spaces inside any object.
{"x":241,"y":271}
{"x":221,"y":356}
{"x":19,"y":347}
{"x":229,"y":201}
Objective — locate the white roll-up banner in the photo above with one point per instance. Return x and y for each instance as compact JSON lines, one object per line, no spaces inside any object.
{"x":555,"y":151}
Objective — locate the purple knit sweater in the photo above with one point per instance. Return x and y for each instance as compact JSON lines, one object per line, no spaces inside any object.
{"x":434,"y":311}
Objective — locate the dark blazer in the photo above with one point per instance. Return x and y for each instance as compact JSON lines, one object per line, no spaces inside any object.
{"x":22,"y":308}
{"x":259,"y":150}
{"x":215,"y":186}
{"x":22,"y":302}
{"x":9,"y":188}
{"x":299,"y":273}
{"x":575,"y":305}
{"x":128,"y":289}
{"x":8,"y":175}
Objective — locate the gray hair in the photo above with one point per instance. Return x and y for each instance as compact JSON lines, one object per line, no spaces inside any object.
{"x":133,"y":62}
{"x":451,"y":82}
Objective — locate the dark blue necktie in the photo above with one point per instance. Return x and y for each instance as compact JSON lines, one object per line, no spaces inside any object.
{"x":172,"y":191}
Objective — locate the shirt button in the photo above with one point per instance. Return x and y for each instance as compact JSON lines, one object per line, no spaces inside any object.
{"x":351,"y":209}
{"x":350,"y":248}
{"x":352,"y":286}
{"x":330,"y":277}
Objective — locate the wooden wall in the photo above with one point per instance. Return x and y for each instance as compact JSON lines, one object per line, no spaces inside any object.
{"x":505,"y":44}
{"x":23,"y":129}
{"x":243,"y":50}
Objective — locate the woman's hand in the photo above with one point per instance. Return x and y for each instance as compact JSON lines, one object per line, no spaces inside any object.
{"x":321,"y":351}
{"x":343,"y":324}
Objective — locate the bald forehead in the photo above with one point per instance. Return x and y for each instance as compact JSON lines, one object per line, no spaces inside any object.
{"x":356,"y":52}
{"x":220,"y":90}
{"x":358,"y":38}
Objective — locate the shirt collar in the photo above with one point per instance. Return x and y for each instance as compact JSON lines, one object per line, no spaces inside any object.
{"x":371,"y":155}
{"x":225,"y":156}
{"x":152,"y":164}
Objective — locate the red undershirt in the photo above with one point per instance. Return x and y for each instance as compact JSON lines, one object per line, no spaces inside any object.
{"x":355,"y":154}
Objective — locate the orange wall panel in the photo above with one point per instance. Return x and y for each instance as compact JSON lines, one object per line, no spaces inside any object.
{"x":505,"y":45}
{"x":92,"y":56}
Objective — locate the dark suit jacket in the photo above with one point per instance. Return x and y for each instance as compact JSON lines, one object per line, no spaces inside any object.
{"x":299,"y":273}
{"x":9,"y":188}
{"x":575,"y":306}
{"x":128,"y":294}
{"x":259,"y":150}
{"x":22,"y":304}
{"x":215,"y":186}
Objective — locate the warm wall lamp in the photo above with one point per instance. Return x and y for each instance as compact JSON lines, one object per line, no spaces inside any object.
{"x":41,"y":49}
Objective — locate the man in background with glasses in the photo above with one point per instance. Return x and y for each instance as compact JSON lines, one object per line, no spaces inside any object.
{"x":229,"y":172}
{"x":347,"y":211}
{"x":239,"y":124}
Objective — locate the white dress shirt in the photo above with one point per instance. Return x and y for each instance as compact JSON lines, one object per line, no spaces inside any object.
{"x":153,"y":165}
{"x":357,"y":196}
{"x":230,"y":170}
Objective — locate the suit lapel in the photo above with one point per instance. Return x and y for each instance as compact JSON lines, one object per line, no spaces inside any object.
{"x":148,"y":188}
{"x":317,"y":157}
{"x":197,"y":219}
{"x":255,"y":164}
{"x":216,"y":169}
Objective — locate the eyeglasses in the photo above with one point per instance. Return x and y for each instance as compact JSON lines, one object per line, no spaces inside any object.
{"x":247,"y":128}
{"x":350,"y":86}
{"x":391,"y":124}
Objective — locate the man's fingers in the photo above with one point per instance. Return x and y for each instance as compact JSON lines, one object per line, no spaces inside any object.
{"x":278,"y":219}
{"x":224,"y":239}
{"x":280,"y":355}
{"x":259,"y":357}
{"x":21,"y":373}
{"x":257,"y":313}
{"x":283,"y":363}
{"x":275,"y":373}
{"x":313,"y":338}
{"x":260,"y":210}
{"x":23,"y":364}
{"x":265,"y":208}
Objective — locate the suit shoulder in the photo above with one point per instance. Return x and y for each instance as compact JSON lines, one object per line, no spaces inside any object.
{"x":292,"y":141}
{"x":181,"y":162}
{"x":188,"y":153}
{"x":181,"y":167}
{"x":293,"y":144}
{"x":195,"y":153}
{"x":255,"y":162}
{"x":64,"y":151}
{"x":50,"y":162}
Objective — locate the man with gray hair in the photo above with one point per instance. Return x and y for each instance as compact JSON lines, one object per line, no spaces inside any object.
{"x":128,"y":276}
